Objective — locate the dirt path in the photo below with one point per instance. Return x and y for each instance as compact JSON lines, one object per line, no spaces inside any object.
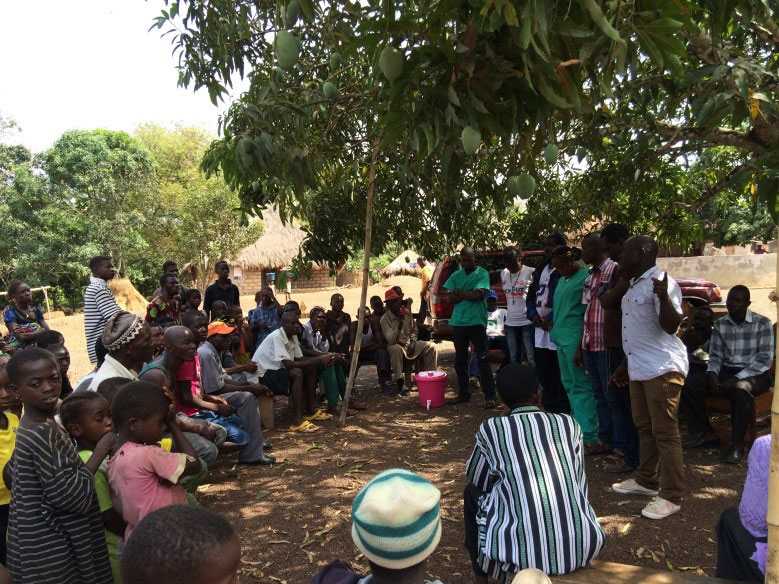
{"x":295,"y":517}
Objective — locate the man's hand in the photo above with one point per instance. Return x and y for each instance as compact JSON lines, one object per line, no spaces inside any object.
{"x":224,"y":409}
{"x":106,"y":444}
{"x":620,"y":377}
{"x":259,"y":390}
{"x":208,"y":431}
{"x":250,"y":367}
{"x":661,"y":287}
{"x":578,"y":359}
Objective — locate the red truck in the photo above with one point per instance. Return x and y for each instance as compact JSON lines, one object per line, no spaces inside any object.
{"x":694,"y":290}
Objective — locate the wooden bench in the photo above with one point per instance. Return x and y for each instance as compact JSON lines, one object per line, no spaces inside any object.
{"x":613,"y":573}
{"x":720,"y":405}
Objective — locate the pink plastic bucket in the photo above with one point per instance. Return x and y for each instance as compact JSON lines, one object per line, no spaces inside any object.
{"x":432,"y":388}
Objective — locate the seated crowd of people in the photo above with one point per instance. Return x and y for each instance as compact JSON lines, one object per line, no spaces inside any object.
{"x":99,"y":480}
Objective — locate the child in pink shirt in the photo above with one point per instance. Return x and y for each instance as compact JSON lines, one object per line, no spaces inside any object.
{"x":143,"y":476}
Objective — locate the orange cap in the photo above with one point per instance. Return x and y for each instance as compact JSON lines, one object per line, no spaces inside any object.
{"x":220,"y":328}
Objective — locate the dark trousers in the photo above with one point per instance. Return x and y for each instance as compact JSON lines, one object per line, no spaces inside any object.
{"x":3,"y":531}
{"x":741,"y":397}
{"x":735,"y":547}
{"x":623,"y":427}
{"x":693,"y":403}
{"x":553,"y":396}
{"x":470,"y":508}
{"x":382,"y":360}
{"x":597,"y":364}
{"x":464,"y":336}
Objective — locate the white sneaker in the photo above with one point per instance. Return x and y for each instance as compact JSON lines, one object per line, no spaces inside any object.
{"x":659,"y":508}
{"x":631,"y":487}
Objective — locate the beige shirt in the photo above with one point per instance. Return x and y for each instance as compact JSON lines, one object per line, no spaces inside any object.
{"x":401,"y":331}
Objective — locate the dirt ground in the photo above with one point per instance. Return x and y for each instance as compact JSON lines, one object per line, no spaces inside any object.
{"x":294,"y":518}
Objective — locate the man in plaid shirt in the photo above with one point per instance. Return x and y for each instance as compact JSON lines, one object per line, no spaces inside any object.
{"x":740,"y":354}
{"x":593,"y":353}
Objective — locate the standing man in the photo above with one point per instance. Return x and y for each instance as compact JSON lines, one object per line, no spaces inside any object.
{"x":740,"y":356}
{"x":625,"y":436}
{"x":223,"y":289}
{"x":400,"y":333}
{"x":426,"y":271}
{"x":468,"y":288}
{"x":520,"y":332}
{"x":540,"y":298}
{"x":657,"y":365}
{"x":593,"y":347}
{"x":266,"y":317}
{"x":99,"y":302}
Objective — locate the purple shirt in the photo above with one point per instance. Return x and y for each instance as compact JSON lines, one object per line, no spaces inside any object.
{"x":753,"y":509}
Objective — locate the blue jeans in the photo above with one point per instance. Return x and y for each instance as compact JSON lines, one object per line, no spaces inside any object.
{"x":625,"y":433}
{"x":597,"y":364}
{"x":232,"y":425}
{"x":521,"y":341}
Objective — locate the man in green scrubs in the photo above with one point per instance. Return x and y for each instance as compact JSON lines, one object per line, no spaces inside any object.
{"x":567,"y":330}
{"x":468,"y":288}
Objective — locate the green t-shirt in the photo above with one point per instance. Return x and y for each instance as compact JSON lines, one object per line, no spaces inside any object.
{"x":104,"y":502}
{"x":469,"y":312}
{"x":568,"y":309}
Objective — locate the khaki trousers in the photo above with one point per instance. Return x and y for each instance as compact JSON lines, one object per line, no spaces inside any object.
{"x":655,"y":405}
{"x":426,"y":358}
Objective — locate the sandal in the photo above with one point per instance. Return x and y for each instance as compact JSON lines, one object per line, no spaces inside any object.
{"x":304,"y":426}
{"x":319,"y":416}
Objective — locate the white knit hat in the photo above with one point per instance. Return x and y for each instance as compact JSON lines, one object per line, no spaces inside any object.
{"x":531,"y":576}
{"x":396,"y":519}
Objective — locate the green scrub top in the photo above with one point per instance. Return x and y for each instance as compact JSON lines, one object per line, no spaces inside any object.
{"x":568,"y":309}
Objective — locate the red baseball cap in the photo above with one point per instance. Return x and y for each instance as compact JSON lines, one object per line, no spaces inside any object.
{"x":392,"y":294}
{"x":220,"y":328}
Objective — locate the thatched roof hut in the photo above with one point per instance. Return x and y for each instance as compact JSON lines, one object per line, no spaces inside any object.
{"x":276,"y":248}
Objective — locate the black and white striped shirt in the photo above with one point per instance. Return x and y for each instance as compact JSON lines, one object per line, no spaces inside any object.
{"x":99,"y":306}
{"x":55,"y":532}
{"x":534,"y":512}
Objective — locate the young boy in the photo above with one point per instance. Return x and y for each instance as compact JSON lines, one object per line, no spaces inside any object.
{"x":87,"y":418}
{"x":143,"y":476}
{"x":182,"y":545}
{"x":55,"y":532}
{"x":9,"y":422}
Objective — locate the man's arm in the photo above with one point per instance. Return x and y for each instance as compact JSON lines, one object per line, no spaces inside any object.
{"x":762,"y":359}
{"x":208,"y":301}
{"x":478,"y":468}
{"x":669,"y":318}
{"x":611,"y":298}
{"x":106,"y":303}
{"x":716,"y":352}
{"x":530,"y":297}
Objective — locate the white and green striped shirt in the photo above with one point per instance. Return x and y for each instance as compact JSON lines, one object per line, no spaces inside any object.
{"x":534,"y":511}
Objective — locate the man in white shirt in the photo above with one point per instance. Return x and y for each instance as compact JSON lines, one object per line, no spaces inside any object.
{"x":280,"y":364}
{"x":657,"y":365}
{"x":520,"y":332}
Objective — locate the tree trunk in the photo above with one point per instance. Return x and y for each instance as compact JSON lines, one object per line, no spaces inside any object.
{"x":772,"y":564}
{"x":365,"y":278}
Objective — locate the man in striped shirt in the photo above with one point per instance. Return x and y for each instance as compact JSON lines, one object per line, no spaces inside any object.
{"x":593,"y":348}
{"x":526,"y":503}
{"x":99,"y":302}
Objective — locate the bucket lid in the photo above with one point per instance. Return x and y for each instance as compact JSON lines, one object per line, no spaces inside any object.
{"x":431,"y":375}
